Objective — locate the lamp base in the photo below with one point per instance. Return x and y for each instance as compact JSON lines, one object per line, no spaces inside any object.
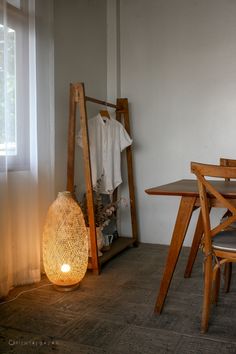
{"x":63,"y":288}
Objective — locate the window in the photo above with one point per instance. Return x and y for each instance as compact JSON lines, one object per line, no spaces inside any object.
{"x":8,"y":145}
{"x":14,"y":87}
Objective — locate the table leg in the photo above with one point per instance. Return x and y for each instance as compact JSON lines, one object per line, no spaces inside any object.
{"x":195,"y":246}
{"x":181,"y":225}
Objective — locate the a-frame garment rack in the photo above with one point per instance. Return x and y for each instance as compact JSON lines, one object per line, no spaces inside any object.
{"x":77,"y":96}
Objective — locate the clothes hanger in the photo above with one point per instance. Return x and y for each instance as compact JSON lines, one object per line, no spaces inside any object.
{"x":105,"y":113}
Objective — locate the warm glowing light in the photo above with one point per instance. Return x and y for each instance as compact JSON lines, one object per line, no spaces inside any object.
{"x":65,"y":268}
{"x":65,"y":243}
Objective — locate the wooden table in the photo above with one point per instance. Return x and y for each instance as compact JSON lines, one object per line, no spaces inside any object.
{"x":187,"y":189}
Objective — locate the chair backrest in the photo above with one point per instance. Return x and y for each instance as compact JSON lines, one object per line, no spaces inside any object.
{"x":227,"y":163}
{"x":207,"y":191}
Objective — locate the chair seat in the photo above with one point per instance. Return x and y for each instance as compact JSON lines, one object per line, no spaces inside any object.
{"x":225,"y":240}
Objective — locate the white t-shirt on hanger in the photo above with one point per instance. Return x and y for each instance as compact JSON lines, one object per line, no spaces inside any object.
{"x":107,"y":138}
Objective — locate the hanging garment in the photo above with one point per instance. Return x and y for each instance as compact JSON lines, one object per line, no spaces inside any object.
{"x":107,"y":138}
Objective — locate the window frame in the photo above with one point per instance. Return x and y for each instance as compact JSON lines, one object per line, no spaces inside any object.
{"x":17,"y":19}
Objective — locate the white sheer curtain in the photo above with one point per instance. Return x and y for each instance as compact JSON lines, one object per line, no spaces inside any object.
{"x":22,"y":204}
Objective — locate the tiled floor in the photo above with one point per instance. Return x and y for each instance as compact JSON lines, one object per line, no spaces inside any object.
{"x":113,"y":313}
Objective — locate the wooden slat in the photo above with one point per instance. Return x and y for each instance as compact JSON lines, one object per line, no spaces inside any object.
{"x":71,"y":141}
{"x":118,"y":245}
{"x":123,"y":102}
{"x":104,"y":103}
{"x":88,"y":177}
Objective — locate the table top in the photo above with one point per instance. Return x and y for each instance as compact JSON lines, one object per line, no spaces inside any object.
{"x":189,"y":188}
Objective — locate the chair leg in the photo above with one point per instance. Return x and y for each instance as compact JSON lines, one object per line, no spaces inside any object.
{"x":216,"y":285}
{"x":227,"y":276}
{"x":207,"y":294}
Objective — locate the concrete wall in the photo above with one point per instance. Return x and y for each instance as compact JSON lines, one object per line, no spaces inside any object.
{"x":80,"y":56}
{"x":177,"y":61}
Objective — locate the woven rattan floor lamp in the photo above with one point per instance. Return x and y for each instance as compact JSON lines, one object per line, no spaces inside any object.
{"x":65,"y":243}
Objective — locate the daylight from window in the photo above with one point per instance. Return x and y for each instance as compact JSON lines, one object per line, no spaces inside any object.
{"x":8,"y":141}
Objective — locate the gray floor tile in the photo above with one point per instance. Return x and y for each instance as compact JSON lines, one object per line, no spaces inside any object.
{"x":113,"y":313}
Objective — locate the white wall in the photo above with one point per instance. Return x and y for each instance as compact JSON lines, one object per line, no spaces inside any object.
{"x":80,"y":56}
{"x":175,"y":61}
{"x":45,"y":102}
{"x":178,"y":69}
{"x":113,"y":50}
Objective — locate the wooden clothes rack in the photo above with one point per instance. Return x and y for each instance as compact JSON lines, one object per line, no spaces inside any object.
{"x":77,"y":97}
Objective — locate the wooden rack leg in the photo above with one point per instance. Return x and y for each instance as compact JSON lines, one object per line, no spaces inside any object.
{"x":71,"y":141}
{"x":123,"y":103}
{"x":80,"y":96}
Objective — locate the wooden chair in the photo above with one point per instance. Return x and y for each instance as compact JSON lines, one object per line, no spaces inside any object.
{"x":228,"y":266}
{"x":227,"y":162}
{"x":219,"y":243}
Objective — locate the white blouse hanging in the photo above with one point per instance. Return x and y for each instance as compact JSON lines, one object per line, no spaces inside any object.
{"x":107,"y":138}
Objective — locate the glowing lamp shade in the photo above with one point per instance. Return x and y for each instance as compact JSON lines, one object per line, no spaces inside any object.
{"x":65,"y":243}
